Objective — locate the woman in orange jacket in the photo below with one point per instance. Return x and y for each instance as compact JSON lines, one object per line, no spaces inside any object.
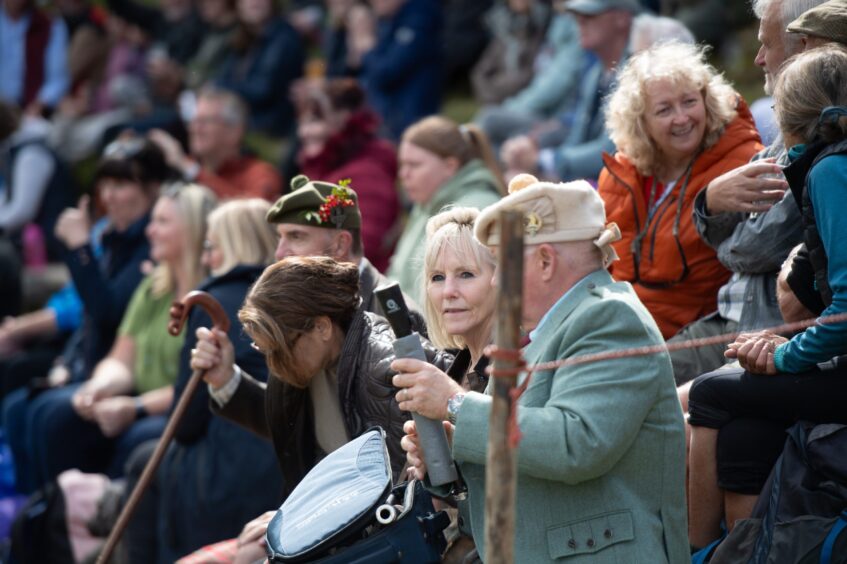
{"x":677,"y":124}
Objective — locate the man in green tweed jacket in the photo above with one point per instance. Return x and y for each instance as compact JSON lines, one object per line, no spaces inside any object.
{"x":601,"y":465}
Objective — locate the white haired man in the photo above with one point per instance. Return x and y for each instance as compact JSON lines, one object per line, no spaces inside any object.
{"x":590,"y":431}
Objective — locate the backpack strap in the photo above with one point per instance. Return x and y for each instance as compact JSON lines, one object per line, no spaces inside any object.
{"x":829,"y":542}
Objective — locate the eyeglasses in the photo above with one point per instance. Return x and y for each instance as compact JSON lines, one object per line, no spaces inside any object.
{"x":291,"y":340}
{"x":209,"y":246}
{"x":208,"y":120}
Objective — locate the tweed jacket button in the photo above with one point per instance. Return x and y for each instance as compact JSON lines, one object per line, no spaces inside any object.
{"x":607,"y":533}
{"x":590,"y":543}
{"x":572,"y":544}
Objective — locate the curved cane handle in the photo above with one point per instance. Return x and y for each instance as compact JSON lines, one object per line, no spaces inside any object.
{"x":179,"y":314}
{"x":180,"y":310}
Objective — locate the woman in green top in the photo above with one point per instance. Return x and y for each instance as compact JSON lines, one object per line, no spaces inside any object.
{"x":126,"y":399}
{"x":441,"y":164}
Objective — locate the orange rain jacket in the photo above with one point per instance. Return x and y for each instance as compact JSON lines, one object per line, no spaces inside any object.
{"x":621,"y":187}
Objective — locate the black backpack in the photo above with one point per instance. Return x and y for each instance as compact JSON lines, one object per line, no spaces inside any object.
{"x":39,"y":532}
{"x":800,"y":514}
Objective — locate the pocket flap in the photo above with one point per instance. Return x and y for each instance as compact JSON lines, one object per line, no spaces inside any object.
{"x":589,"y":535}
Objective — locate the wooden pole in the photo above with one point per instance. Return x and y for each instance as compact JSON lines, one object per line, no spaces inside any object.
{"x":179,"y":315}
{"x":500,"y":467}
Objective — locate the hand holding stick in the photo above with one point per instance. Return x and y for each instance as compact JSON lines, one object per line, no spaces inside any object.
{"x":179,"y":315}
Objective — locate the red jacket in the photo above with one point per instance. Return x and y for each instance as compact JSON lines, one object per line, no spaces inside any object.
{"x":621,"y":187}
{"x":243,"y":177}
{"x":371,"y":166}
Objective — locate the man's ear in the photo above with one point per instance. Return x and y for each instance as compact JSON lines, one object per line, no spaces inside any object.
{"x":342,"y":245}
{"x":547,"y":261}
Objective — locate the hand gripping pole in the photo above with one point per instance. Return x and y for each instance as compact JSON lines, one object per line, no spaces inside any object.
{"x":179,"y":315}
{"x":439,"y":462}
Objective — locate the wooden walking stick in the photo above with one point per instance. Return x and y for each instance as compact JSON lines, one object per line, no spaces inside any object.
{"x":500,"y":465}
{"x":179,"y":314}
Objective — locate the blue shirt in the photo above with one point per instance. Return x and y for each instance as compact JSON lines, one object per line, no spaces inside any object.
{"x":827,"y":189}
{"x":13,"y":57}
{"x":66,"y":303}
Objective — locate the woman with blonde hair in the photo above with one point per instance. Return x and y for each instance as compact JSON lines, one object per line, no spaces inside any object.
{"x":454,"y":261}
{"x":239,"y":233}
{"x":459,"y":306}
{"x":441,"y":163}
{"x":677,"y":124}
{"x":239,"y":244}
{"x":95,"y":425}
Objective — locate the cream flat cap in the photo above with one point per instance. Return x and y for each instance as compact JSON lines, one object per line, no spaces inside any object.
{"x":553,"y":213}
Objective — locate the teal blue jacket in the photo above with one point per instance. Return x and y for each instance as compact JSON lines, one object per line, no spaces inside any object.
{"x":601,"y":465}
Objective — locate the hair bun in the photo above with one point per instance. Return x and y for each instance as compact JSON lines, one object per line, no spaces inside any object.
{"x":521,"y":181}
{"x":461,"y":216}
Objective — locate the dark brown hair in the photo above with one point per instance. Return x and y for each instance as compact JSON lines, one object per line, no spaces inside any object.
{"x":285,"y":301}
{"x":10,"y":119}
{"x":135,"y":159}
{"x":332,"y":95}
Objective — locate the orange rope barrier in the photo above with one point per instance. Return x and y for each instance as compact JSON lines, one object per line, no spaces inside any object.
{"x":521,"y":367}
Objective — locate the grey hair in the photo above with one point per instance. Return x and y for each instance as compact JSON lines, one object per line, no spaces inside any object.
{"x":790,"y":10}
{"x":234,"y":110}
{"x":648,"y":30}
{"x":812,"y":81}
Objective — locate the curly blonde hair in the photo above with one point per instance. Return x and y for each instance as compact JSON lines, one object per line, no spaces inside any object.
{"x":451,"y":229}
{"x":684,"y":65}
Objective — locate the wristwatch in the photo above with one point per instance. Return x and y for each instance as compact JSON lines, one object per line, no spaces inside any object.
{"x":453,"y":405}
{"x":140,"y":410}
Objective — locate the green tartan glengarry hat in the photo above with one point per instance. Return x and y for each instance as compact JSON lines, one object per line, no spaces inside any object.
{"x":319,"y":204}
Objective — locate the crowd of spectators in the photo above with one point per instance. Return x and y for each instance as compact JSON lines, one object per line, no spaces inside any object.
{"x":147,"y":150}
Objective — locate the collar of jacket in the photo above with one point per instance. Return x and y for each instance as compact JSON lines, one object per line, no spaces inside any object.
{"x":248,"y":272}
{"x":368,"y":281}
{"x":461,"y":366}
{"x":351,"y":348}
{"x":130,"y":235}
{"x":563,"y":309}
{"x":474,"y":172}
